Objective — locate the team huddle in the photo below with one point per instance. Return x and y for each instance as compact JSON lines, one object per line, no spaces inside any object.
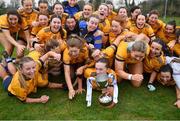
{"x":95,"y":50}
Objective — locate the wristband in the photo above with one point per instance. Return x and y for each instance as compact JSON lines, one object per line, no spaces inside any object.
{"x":130,"y":77}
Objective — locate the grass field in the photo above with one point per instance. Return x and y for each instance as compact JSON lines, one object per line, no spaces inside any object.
{"x":172,"y":18}
{"x":134,"y":104}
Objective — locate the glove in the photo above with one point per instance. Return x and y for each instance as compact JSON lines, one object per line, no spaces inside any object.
{"x":151,"y":87}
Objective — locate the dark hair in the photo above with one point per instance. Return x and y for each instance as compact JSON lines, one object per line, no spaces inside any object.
{"x":153,"y":12}
{"x":123,"y":8}
{"x":173,"y":23}
{"x":22,"y":1}
{"x":109,"y":2}
{"x":62,"y":32}
{"x":166,"y":68}
{"x":76,"y":28}
{"x":159,"y":41}
{"x":43,"y":1}
{"x":56,"y":3}
{"x":43,"y":13}
{"x":134,"y":8}
{"x":103,"y":60}
{"x":177,"y":33}
{"x":14,"y":12}
{"x":142,"y":15}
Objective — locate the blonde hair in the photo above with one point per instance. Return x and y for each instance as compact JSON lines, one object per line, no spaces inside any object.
{"x":75,"y":41}
{"x":21,"y":79}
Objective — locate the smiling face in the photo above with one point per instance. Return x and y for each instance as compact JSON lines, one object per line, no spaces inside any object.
{"x":155,"y":50}
{"x":72,"y":3}
{"x":71,"y":23}
{"x":28,"y":6}
{"x":169,"y":29}
{"x":135,"y":13}
{"x":74,"y":52}
{"x":92,"y":24}
{"x":87,"y":11}
{"x":103,"y":11}
{"x":153,"y":18}
{"x":100,"y":68}
{"x":58,"y":9}
{"x":43,"y":20}
{"x":43,"y":7}
{"x":13,"y":20}
{"x":122,"y":12}
{"x":165,"y":76}
{"x":28,"y":69}
{"x":140,"y":21}
{"x":139,"y":56}
{"x":116,"y":27}
{"x":55,"y":24}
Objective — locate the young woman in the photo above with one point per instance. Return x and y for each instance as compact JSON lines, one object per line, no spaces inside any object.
{"x":122,"y":11}
{"x":71,"y":7}
{"x":154,"y":61}
{"x":42,"y":21}
{"x":154,"y":22}
{"x":167,"y":33}
{"x":24,"y":81}
{"x":59,"y":11}
{"x":111,"y":13}
{"x":74,"y":58}
{"x":43,"y":6}
{"x":104,"y":24}
{"x":14,"y":32}
{"x":131,"y":53}
{"x":175,"y":46}
{"x":117,"y":28}
{"x":141,"y":26}
{"x":169,"y":75}
{"x":85,"y":14}
{"x":28,"y":13}
{"x":134,"y":11}
{"x":53,"y":31}
{"x":90,"y":32}
{"x":51,"y":66}
{"x":110,"y":83}
{"x":72,"y":25}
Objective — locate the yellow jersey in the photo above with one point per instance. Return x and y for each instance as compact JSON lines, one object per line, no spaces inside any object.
{"x":4,"y":24}
{"x":123,"y":52}
{"x":165,"y":37}
{"x":31,"y":85}
{"x":153,"y":64}
{"x":29,"y":17}
{"x":147,"y":30}
{"x":82,"y":57}
{"x":46,"y":34}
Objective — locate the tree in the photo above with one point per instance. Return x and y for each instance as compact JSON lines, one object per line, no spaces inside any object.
{"x":129,"y":3}
{"x":2,"y":7}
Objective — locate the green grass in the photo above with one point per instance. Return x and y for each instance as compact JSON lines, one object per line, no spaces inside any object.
{"x":134,"y":104}
{"x":172,"y":18}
